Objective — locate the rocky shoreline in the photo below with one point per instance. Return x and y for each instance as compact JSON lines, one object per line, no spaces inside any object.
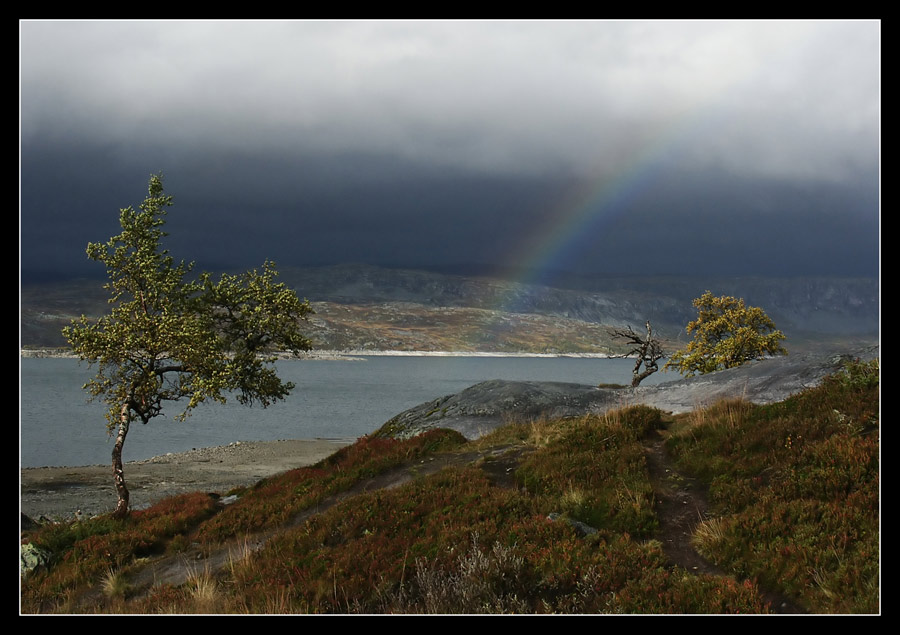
{"x":62,"y":492}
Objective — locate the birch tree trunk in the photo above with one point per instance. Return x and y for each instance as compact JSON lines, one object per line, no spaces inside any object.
{"x":118,"y":472}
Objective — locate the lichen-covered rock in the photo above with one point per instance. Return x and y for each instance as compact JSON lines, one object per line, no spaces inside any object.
{"x":31,"y":557}
{"x":582,"y":529}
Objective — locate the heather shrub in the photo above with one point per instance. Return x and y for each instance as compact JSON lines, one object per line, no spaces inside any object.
{"x":453,"y":543}
{"x":595,"y":471}
{"x":795,"y":491}
{"x":272,"y":502}
{"x":86,"y":552}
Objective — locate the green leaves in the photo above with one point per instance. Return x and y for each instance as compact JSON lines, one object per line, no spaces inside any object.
{"x":171,"y":337}
{"x":727,"y":333}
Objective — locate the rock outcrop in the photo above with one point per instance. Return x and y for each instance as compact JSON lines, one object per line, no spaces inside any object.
{"x":480,"y":408}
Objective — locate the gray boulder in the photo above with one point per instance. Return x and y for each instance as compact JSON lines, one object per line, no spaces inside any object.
{"x":483,"y":407}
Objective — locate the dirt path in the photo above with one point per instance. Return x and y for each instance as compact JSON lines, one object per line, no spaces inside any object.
{"x":681,"y":505}
{"x":180,"y":568}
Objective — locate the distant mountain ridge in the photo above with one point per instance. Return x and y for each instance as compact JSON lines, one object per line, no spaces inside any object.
{"x":826,"y":305}
{"x":364,"y":307}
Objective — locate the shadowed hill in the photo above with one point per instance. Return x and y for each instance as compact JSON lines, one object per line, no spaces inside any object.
{"x":360,"y":307}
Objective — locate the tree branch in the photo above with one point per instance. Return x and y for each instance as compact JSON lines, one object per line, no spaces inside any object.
{"x":647,"y":349}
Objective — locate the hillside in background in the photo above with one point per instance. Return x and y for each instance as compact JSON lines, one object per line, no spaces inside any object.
{"x":361,"y":307}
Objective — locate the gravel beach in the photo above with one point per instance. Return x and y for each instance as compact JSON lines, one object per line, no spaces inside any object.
{"x":58,"y":492}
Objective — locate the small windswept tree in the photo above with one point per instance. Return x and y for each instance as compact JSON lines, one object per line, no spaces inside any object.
{"x":646,"y":350}
{"x":727,"y":333}
{"x":171,"y":336}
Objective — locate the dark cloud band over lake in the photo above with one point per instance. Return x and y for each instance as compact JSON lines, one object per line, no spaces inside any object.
{"x":619,"y":147}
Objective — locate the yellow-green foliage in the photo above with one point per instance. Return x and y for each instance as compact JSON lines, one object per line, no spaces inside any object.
{"x":727,"y":333}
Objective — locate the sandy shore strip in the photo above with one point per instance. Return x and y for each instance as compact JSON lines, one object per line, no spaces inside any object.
{"x":59,"y":492}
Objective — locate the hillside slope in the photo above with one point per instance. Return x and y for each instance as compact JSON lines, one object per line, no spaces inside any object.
{"x":574,"y":515}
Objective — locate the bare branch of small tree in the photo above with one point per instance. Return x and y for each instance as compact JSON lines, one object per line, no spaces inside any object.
{"x":646,"y":349}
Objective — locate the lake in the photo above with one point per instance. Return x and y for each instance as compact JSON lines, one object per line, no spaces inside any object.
{"x":333,"y":399}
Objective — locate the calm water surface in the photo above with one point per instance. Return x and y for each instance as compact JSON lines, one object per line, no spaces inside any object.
{"x":333,"y":399}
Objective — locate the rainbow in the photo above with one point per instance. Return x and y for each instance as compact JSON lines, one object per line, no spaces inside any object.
{"x":568,"y":226}
{"x":586,"y":211}
{"x":583,"y":213}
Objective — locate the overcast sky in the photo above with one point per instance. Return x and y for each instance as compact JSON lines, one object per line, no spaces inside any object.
{"x":731,"y":148}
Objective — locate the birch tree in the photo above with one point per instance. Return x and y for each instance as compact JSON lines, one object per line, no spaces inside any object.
{"x":175,"y":336}
{"x":727,"y":333}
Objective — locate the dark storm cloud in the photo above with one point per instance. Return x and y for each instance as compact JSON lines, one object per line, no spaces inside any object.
{"x":443,"y":143}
